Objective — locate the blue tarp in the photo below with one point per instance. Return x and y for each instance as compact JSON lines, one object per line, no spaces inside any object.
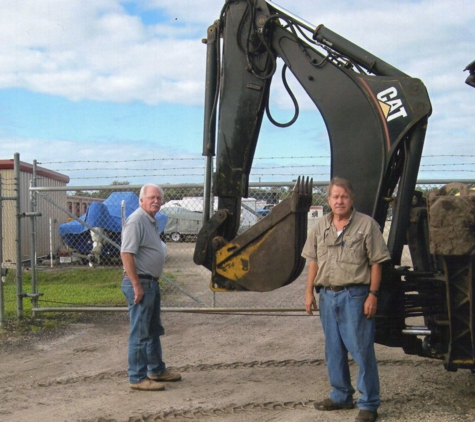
{"x":106,"y":215}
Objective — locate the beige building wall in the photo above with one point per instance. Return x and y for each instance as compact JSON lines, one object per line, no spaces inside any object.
{"x":51,"y":216}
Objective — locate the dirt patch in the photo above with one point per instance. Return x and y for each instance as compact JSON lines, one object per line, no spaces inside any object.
{"x":265,"y":367}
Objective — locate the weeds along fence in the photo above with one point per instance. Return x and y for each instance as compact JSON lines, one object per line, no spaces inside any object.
{"x":60,"y":247}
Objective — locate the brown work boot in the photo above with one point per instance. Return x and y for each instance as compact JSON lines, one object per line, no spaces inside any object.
{"x":147,"y":385}
{"x":167,"y":376}
{"x":366,"y":416}
{"x":329,"y":404}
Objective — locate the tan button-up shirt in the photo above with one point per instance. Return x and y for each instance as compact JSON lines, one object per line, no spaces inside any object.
{"x":346,"y":258}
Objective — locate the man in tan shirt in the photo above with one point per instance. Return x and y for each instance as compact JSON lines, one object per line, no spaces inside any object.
{"x":345,"y":250}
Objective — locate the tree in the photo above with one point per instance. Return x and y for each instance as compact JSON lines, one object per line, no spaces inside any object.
{"x":102,"y":194}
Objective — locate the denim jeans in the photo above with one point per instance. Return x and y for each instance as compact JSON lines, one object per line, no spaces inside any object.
{"x":347,"y":329}
{"x":145,"y":350}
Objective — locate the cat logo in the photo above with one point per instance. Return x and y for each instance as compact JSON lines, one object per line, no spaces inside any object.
{"x":391,"y":105}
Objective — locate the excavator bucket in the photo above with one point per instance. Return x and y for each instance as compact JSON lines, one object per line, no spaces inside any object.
{"x":267,"y":255}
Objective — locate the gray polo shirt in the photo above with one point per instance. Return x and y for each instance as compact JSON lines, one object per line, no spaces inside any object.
{"x":140,"y":237}
{"x":346,"y":258}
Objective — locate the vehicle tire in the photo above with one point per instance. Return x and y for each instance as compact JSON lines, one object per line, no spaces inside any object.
{"x":175,"y":237}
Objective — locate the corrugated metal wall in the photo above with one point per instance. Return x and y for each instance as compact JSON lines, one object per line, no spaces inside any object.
{"x":50,"y":213}
{"x":8,"y":216}
{"x":47,"y":225}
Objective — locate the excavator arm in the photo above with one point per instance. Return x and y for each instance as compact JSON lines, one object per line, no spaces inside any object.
{"x":375,"y":115}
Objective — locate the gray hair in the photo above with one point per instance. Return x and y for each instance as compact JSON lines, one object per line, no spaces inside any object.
{"x":145,"y":187}
{"x":342,"y":183}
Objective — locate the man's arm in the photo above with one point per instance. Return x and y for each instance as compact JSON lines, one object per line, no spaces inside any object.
{"x":310,"y":302}
{"x":128,"y":260}
{"x":371,"y":302}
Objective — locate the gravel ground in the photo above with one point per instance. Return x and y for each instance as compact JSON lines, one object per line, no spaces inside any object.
{"x":266,"y":367}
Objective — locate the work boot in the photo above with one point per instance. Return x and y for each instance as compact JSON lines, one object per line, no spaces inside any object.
{"x":147,"y":385}
{"x":166,"y":376}
{"x":366,"y":416}
{"x":329,"y":404}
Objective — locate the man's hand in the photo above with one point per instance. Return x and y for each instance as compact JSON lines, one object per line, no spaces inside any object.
{"x":370,"y":306}
{"x":310,"y":302}
{"x":138,"y":290}
{"x":128,"y":260}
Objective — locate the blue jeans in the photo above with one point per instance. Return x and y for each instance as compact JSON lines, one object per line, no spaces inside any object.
{"x":347,"y":329}
{"x":145,"y":350}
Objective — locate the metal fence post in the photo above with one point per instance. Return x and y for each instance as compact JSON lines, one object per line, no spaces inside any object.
{"x":33,"y":257}
{"x":2,"y":279}
{"x":19,"y":282}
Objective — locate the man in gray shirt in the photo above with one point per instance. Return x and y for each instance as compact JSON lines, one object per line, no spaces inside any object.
{"x":143,"y":257}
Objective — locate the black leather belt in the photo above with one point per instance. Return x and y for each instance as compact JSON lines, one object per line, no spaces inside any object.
{"x":340,"y":288}
{"x":147,"y":277}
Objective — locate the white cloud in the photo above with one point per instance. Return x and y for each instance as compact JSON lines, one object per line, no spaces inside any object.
{"x":96,"y":163}
{"x":93,"y":49}
{"x":95,"y":52}
{"x":203,"y":12}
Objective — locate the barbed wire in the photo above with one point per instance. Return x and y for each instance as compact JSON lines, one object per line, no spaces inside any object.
{"x":447,"y":165}
{"x":201,"y":158}
{"x":185,"y":175}
{"x":257,"y":171}
{"x":447,"y":155}
{"x":170,"y":159}
{"x":258,"y":168}
{"x":195,"y":168}
{"x":456,"y":170}
{"x":292,"y":175}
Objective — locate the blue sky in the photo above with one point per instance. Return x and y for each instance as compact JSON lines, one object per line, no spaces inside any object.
{"x":110,"y":90}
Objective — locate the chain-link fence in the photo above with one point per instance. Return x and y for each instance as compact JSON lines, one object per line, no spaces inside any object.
{"x":89,"y":245}
{"x":82,"y":245}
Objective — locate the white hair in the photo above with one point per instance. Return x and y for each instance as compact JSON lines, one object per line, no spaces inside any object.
{"x":145,"y":187}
